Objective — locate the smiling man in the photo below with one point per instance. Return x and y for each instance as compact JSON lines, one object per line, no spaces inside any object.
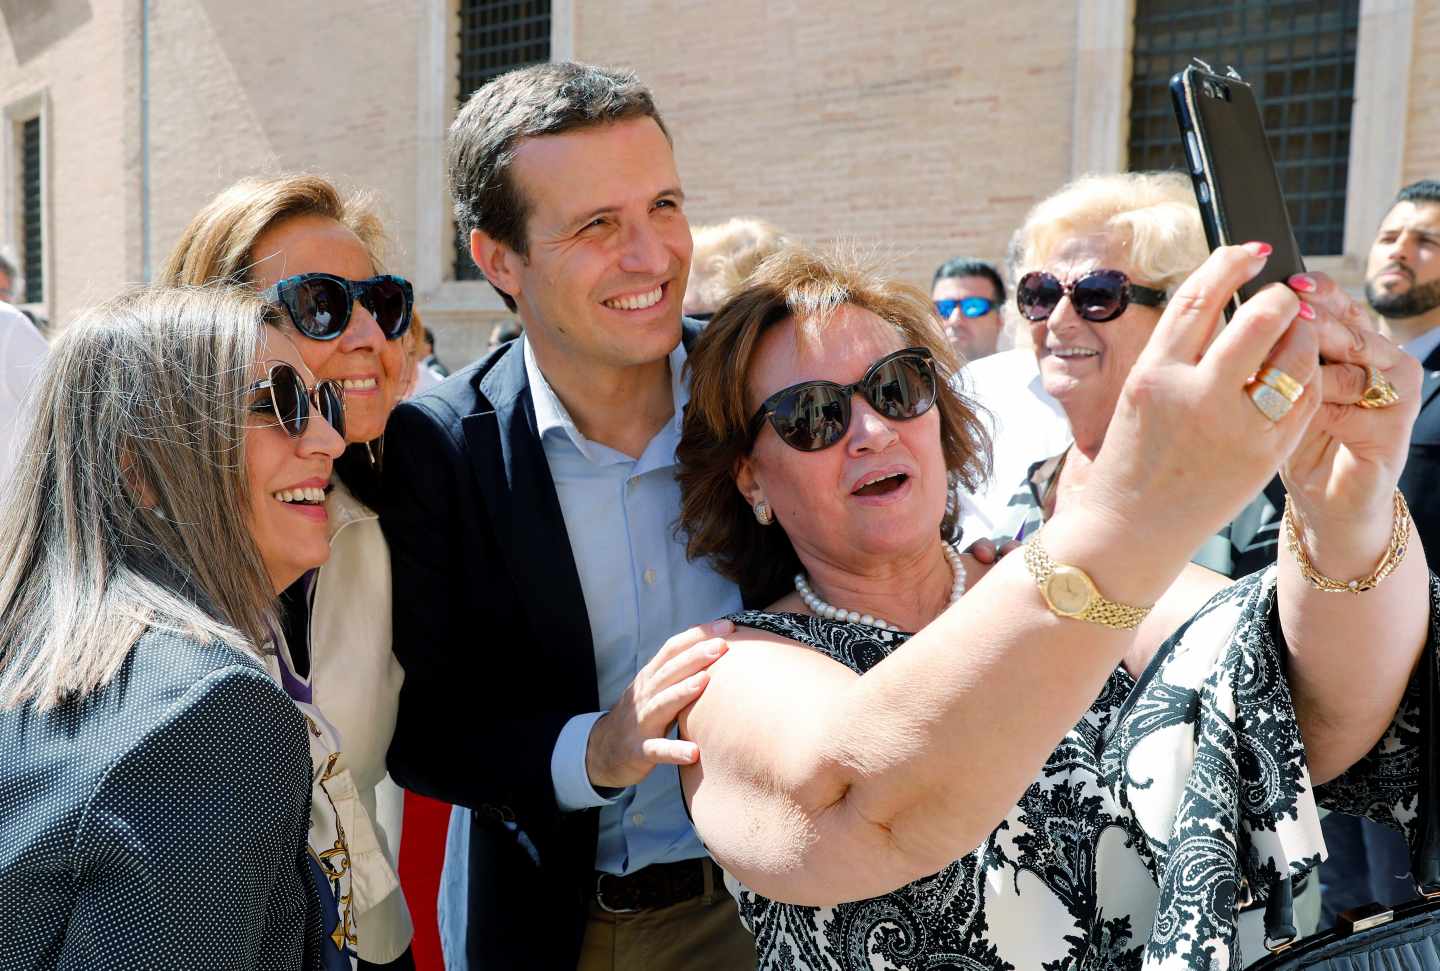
{"x":530,"y":503}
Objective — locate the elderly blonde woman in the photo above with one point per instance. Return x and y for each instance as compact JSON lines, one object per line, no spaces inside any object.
{"x":315,"y":253}
{"x":1124,"y":243}
{"x":1030,"y":779}
{"x":725,"y":254}
{"x":154,"y":777}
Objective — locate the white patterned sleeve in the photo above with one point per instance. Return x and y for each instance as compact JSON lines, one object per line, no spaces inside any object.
{"x":1384,"y":786}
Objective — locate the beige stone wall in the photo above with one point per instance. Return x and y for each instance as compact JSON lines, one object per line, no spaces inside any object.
{"x":900,"y":124}
{"x":270,"y":86}
{"x":1422,"y":136}
{"x":82,"y":71}
{"x":925,"y":130}
{"x":236,"y":89}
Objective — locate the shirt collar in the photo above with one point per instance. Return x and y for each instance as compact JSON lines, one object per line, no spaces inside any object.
{"x":552,"y":417}
{"x":1422,"y":346}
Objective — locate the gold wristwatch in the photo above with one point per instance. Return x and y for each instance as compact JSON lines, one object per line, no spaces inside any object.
{"x":1069,"y":592}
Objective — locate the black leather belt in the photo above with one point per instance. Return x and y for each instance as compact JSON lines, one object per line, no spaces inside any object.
{"x":655,"y":886}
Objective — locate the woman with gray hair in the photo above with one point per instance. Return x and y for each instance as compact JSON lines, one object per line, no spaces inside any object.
{"x":154,"y":777}
{"x":317,"y":255}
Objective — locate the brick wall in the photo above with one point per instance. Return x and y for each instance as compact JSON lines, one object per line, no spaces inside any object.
{"x":82,"y":69}
{"x":271,"y":86}
{"x":1422,"y":137}
{"x":236,"y":89}
{"x":925,"y":130}
{"x":901,"y":125}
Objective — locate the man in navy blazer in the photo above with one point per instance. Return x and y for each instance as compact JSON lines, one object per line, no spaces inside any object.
{"x":1402,"y":283}
{"x":545,"y":613}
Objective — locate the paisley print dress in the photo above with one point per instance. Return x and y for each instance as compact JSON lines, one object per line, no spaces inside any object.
{"x":1173,"y":802}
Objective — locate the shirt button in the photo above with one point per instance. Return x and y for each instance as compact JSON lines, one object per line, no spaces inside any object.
{"x":649,"y":577}
{"x":638,"y":819}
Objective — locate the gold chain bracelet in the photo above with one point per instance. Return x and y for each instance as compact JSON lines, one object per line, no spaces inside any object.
{"x":1399,"y":541}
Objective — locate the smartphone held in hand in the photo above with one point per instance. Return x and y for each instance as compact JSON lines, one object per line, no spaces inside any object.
{"x":1229,"y":160}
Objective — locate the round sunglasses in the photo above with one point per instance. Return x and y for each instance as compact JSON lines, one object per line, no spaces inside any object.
{"x":321,"y":304}
{"x":815,"y":414}
{"x":969,"y":307}
{"x":1098,"y":296}
{"x":289,"y":400}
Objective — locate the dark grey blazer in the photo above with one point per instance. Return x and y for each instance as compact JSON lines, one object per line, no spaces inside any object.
{"x":161,"y":822}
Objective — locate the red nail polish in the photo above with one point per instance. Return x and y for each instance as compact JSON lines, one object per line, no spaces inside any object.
{"x":1302,"y":282}
{"x":1259,"y":248}
{"x":1307,"y":311}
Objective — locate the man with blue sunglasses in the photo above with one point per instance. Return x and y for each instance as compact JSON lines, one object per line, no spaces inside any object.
{"x":968,"y":294}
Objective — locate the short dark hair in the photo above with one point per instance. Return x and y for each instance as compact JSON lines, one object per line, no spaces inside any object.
{"x":968,"y":266}
{"x":1426,"y":190}
{"x":543,"y":99}
{"x":8,"y":268}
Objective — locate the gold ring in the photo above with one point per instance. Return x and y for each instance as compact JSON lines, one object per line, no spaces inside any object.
{"x":1379,"y":392}
{"x":1272,"y":403}
{"x":1281,"y":382}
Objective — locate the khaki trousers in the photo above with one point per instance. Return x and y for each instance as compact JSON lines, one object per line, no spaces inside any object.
{"x":701,"y":934}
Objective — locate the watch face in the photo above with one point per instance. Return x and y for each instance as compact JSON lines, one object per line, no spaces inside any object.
{"x":1069,"y":590}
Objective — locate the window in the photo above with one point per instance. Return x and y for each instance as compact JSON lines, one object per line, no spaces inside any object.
{"x":1299,"y":55}
{"x":497,"y":36}
{"x":32,"y":264}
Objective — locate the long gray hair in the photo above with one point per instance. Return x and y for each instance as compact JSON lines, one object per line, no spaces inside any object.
{"x":129,"y":505}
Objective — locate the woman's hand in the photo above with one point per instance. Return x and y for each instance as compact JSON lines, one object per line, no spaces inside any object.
{"x":1350,"y":655}
{"x":1342,"y":475}
{"x":1187,"y":446}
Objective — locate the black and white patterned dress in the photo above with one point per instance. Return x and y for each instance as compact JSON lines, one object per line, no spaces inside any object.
{"x":1171,"y":803}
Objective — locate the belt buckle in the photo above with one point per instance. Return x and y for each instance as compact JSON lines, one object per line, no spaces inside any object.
{"x":600,"y":897}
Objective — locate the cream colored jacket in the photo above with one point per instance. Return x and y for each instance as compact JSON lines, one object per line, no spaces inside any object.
{"x":355,"y":681}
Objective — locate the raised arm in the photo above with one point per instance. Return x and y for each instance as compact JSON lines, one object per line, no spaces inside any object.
{"x":891,"y":776}
{"x":1351,"y":654}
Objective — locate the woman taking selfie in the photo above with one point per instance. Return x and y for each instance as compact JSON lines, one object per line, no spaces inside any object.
{"x":154,"y":778}
{"x":315,"y":255}
{"x":1052,"y":764}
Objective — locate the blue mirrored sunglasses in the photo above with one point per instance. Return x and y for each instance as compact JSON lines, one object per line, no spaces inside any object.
{"x":969,"y":307}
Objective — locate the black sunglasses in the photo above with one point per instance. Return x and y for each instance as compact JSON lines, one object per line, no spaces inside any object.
{"x":969,"y":307}
{"x":1098,"y":296}
{"x":320,"y":304}
{"x":289,"y":400}
{"x":815,"y":414}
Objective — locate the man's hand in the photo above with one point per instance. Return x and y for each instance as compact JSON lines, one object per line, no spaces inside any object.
{"x":629,"y":740}
{"x":985,"y":551}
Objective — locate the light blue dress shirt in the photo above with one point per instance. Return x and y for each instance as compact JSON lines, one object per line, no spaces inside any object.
{"x":620,"y":513}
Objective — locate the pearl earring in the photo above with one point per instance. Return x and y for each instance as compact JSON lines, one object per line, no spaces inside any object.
{"x":763,"y":515}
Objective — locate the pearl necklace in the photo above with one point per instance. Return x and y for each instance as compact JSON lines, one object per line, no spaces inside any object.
{"x":820,"y":608}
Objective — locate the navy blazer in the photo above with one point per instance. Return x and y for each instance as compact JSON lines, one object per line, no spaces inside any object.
{"x":161,"y":822}
{"x":492,"y":631}
{"x":1421,"y":479}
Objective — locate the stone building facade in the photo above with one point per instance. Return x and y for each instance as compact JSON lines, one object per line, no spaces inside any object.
{"x":924,"y":130}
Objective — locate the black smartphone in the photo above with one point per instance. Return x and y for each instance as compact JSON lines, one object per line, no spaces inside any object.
{"x":1233,"y":171}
